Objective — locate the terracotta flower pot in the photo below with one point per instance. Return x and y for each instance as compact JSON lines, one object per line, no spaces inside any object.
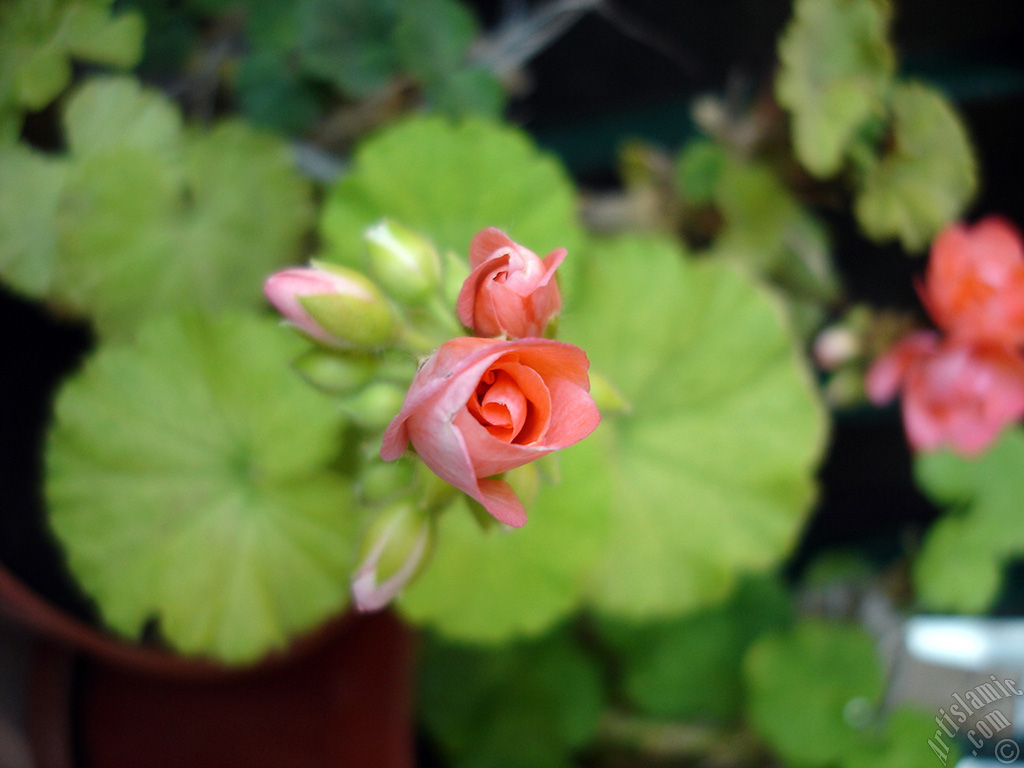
{"x":340,"y":696}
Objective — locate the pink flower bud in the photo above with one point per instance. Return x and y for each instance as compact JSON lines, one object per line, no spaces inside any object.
{"x":480,"y":407}
{"x":974,"y":284}
{"x":510,"y":291}
{"x":338,"y":307}
{"x":955,"y":393}
{"x":396,"y":548}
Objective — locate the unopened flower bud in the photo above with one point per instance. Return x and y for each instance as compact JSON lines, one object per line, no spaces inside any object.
{"x":836,"y":346}
{"x":405,"y":262}
{"x":336,"y":306}
{"x":337,"y":373}
{"x":376,"y":405}
{"x":380,"y":481}
{"x":395,"y":549}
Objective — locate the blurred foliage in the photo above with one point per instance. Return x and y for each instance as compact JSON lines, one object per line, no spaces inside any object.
{"x":208,"y":498}
{"x":836,"y":67}
{"x":290,"y":65}
{"x":689,"y":668}
{"x":901,"y":147}
{"x":187,"y":480}
{"x":960,"y":567}
{"x":38,"y":40}
{"x":706,"y":355}
{"x":926,"y":179}
{"x":526,"y":705}
{"x":814,"y":694}
{"x":824,"y":677}
{"x":540,"y":579}
{"x":899,"y":744}
{"x":141,"y":217}
{"x":455,"y":180}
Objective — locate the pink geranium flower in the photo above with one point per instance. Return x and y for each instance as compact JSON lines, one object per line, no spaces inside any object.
{"x":479,"y":407}
{"x":974,"y":284}
{"x":511,"y":291}
{"x":956,"y":393}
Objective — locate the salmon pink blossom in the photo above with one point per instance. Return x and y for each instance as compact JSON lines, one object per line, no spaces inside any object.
{"x":480,"y":407}
{"x":510,"y":291}
{"x":974,"y":284}
{"x":955,"y":393}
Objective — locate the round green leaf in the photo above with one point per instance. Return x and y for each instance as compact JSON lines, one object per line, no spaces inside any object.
{"x":926,"y":180}
{"x":490,"y":584}
{"x":807,"y":688}
{"x":960,"y":567}
{"x":30,"y":188}
{"x":115,"y":113}
{"x":449,"y":181}
{"x":836,"y":67}
{"x":712,"y":469}
{"x":519,"y":706}
{"x":250,"y":211}
{"x":153,"y":220}
{"x":37,"y":39}
{"x":187,"y":481}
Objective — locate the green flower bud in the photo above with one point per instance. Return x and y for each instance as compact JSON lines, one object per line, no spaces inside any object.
{"x":376,"y":405}
{"x":395,"y":549}
{"x":405,"y":262}
{"x":380,"y":481}
{"x":354,"y":314}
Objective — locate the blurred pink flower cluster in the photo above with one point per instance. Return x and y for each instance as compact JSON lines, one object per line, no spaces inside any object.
{"x":961,"y":385}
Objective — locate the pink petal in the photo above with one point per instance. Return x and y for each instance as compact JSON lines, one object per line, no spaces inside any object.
{"x":501,"y":501}
{"x":485,"y":243}
{"x":888,"y":372}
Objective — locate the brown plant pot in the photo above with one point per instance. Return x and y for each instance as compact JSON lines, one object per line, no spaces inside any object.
{"x":340,"y":696}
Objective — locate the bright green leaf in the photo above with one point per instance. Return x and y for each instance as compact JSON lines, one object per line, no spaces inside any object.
{"x":689,"y":668}
{"x":926,"y":180}
{"x":117,"y":113}
{"x":250,"y":210}
{"x":836,"y":68}
{"x":153,"y":219}
{"x":187,"y":482}
{"x":30,"y":188}
{"x":92,"y":35}
{"x":808,"y":689}
{"x":960,"y":567}
{"x":37,"y":39}
{"x":450,"y":181}
{"x":487,"y":585}
{"x":712,"y":470}
{"x":519,"y":706}
{"x":120,"y":246}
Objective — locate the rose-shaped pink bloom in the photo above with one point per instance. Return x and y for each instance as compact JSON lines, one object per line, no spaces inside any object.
{"x":511,"y":291}
{"x":480,"y":407}
{"x":974,"y":284}
{"x":955,"y":392}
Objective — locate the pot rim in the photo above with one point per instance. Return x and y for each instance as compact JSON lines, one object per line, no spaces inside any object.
{"x":24,"y":607}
